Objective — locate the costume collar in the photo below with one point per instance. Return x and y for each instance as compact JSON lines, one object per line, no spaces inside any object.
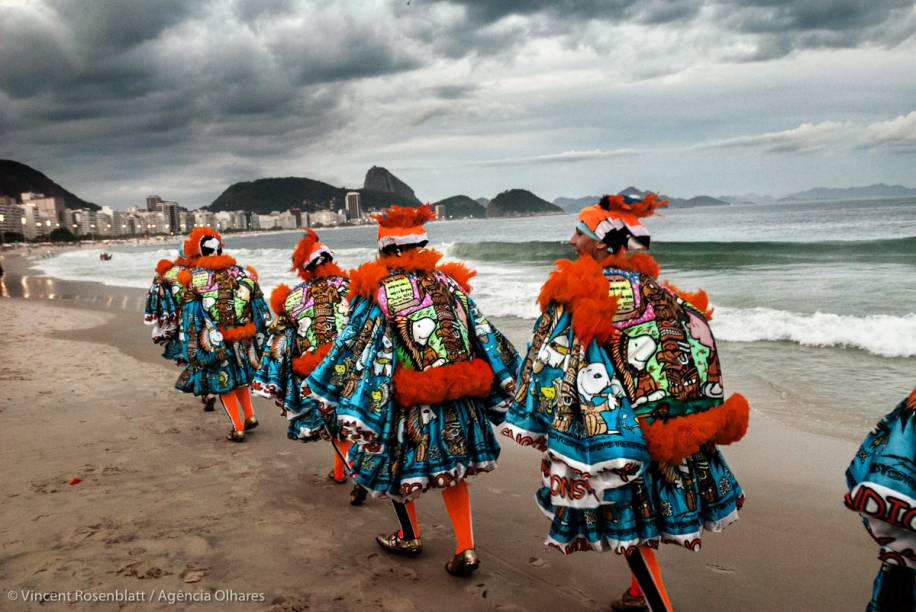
{"x":215,"y":262}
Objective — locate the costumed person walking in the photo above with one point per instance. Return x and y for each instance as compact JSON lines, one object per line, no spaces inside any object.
{"x":882,"y":489}
{"x":223,"y":326}
{"x":416,"y":377}
{"x":163,"y":312}
{"x":306,"y":321}
{"x":622,"y":391}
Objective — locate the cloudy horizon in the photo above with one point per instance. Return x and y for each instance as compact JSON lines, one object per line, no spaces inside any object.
{"x":115,"y":101}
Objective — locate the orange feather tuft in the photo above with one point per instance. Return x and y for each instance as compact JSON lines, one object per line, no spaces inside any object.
{"x":672,"y":440}
{"x":215,"y":262}
{"x":911,"y":400}
{"x":240,"y":332}
{"x":192,"y":243}
{"x":326,"y":270}
{"x":364,"y":280}
{"x":185,"y":278}
{"x":582,"y":287}
{"x":698,"y":299}
{"x":446,"y":383}
{"x":305,"y":363}
{"x":641,"y":209}
{"x":405,"y":216}
{"x":459,"y":273}
{"x":163,"y":266}
{"x":278,"y":299}
{"x":302,"y":251}
{"x":252,"y":273}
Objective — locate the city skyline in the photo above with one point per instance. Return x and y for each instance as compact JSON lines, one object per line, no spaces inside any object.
{"x":454,"y":97}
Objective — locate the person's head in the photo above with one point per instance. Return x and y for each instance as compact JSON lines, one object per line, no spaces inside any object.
{"x":203,"y":241}
{"x":613,"y":225}
{"x":309,"y":254}
{"x":400,"y":228}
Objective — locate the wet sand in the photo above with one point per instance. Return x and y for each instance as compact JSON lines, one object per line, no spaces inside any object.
{"x":166,"y":504}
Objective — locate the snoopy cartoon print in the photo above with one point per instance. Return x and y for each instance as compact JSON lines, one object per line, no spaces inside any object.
{"x":554,"y":353}
{"x":598,"y":393}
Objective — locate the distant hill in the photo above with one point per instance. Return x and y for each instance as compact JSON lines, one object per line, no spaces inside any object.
{"x":879,"y":190}
{"x":519,"y":203}
{"x":574,"y":205}
{"x":267,"y":195}
{"x":747,"y":198}
{"x":16,"y":179}
{"x":482,"y":201}
{"x":461,"y":206}
{"x":382,"y":181}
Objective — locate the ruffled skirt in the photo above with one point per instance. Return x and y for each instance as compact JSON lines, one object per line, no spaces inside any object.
{"x":421,"y":447}
{"x":668,"y":504}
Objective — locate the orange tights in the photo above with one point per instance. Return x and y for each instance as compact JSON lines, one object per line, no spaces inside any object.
{"x":344,"y":448}
{"x":458,"y":504}
{"x":648,"y":556}
{"x":231,"y":401}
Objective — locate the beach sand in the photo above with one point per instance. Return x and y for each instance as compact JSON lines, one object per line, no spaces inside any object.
{"x":167,"y":505}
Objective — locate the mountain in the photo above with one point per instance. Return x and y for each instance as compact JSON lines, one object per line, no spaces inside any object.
{"x":879,"y":190}
{"x":381,"y":180}
{"x":266,"y":195}
{"x":520,"y":203}
{"x":574,"y":205}
{"x":16,"y":179}
{"x":482,"y":201}
{"x":269,"y":194}
{"x":747,"y":198}
{"x":461,"y":206}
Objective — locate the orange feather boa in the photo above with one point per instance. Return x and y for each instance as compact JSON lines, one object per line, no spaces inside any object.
{"x":436,"y":385}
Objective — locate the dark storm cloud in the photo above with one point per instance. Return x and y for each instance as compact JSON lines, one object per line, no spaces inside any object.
{"x":151,"y":87}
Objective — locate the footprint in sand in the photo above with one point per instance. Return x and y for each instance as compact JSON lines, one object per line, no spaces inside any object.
{"x":719,"y":569}
{"x":537,"y":562}
{"x":478,"y":590}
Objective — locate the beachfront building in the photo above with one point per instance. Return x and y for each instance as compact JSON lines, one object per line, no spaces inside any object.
{"x":204,"y":217}
{"x":326,"y":217}
{"x":152,"y":203}
{"x":354,"y":211}
{"x":440,"y":211}
{"x":11,"y":219}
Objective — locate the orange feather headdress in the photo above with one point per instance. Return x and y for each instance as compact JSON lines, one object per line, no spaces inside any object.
{"x":403,"y":226}
{"x":616,"y":219}
{"x":308,"y":253}
{"x":192,"y":243}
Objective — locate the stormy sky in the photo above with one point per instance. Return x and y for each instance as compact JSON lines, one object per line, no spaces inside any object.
{"x":116,"y":100}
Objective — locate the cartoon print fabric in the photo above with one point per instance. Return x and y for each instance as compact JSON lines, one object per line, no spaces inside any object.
{"x":223,"y":329}
{"x":307,"y":321}
{"x":882,"y":484}
{"x":416,"y":377}
{"x":587,"y":406}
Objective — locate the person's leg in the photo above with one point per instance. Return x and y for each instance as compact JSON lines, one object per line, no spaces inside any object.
{"x":230,"y":405}
{"x":405,"y":541}
{"x":244,"y":399}
{"x":458,"y":503}
{"x":647,"y":573}
{"x":343,"y":447}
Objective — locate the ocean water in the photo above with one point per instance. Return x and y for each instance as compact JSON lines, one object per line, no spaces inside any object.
{"x":814,"y":302}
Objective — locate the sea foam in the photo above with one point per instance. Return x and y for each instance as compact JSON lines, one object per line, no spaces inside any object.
{"x":882,"y":335}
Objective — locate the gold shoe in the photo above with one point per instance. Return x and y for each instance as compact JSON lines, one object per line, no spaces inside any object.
{"x":629,"y":602}
{"x":236,"y":436}
{"x":397,"y":545}
{"x":464,"y":563}
{"x":357,"y":496}
{"x":250,"y":423}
